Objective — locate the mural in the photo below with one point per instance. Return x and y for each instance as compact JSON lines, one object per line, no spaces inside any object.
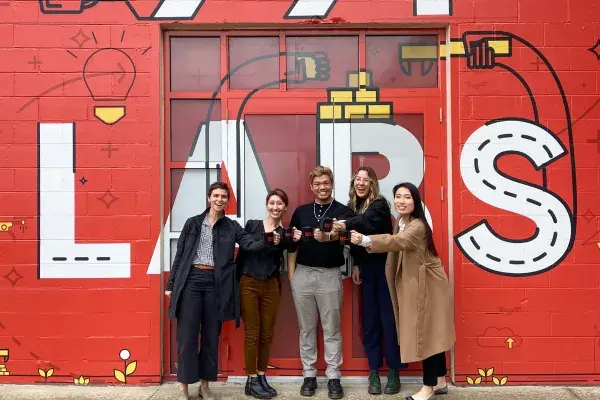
{"x":59,"y":255}
{"x":156,"y":10}
{"x":86,"y":243}
{"x":555,"y":224}
{"x":143,"y":11}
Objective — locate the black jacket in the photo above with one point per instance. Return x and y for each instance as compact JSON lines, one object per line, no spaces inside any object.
{"x":375,"y":220}
{"x":226,"y":233}
{"x":262,"y":264}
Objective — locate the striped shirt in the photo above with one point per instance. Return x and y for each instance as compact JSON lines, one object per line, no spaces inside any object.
{"x":204,"y":252}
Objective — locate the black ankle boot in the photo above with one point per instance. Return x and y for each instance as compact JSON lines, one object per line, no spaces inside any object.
{"x":266,"y":386}
{"x":255,"y":388}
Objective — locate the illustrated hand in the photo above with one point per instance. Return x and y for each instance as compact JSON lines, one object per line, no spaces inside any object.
{"x":356,"y":238}
{"x":318,"y":235}
{"x":481,"y":55}
{"x":338,"y":226}
{"x":356,"y":275}
{"x":168,"y":293}
{"x":276,"y":238}
{"x":310,"y":66}
{"x":297,"y":234}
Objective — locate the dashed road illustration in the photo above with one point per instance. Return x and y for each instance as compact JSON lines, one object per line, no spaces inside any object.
{"x":553,"y":219}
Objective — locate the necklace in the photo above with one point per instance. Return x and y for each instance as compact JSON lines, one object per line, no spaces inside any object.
{"x":401,"y":225}
{"x":315,"y":210}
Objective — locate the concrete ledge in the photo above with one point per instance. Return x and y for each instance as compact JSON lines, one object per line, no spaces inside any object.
{"x":287,"y":391}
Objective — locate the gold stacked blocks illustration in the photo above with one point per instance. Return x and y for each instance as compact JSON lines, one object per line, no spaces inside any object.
{"x":3,"y":357}
{"x":359,"y":100}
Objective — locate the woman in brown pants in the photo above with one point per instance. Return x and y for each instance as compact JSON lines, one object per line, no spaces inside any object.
{"x":260,"y":294}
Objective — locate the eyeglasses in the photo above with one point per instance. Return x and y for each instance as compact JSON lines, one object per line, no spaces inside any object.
{"x":360,"y":180}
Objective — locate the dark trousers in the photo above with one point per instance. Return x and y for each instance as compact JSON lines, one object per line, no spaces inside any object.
{"x":378,"y":318}
{"x":260,"y":301}
{"x":433,"y":368}
{"x":197,"y":315}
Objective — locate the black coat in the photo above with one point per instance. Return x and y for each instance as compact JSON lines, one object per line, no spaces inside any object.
{"x":226,"y":233}
{"x":375,"y":220}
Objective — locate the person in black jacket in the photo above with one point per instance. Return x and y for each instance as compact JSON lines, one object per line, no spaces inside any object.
{"x":260,"y":294}
{"x":373,"y":216}
{"x":202,"y":289}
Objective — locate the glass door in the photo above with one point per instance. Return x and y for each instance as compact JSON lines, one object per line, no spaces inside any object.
{"x":402,"y":141}
{"x":277,"y":147}
{"x":259,"y":109}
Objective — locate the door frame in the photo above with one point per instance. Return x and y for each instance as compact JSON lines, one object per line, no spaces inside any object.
{"x":313,"y":95}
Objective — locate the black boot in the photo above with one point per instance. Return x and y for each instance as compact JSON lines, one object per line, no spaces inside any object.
{"x":255,"y":389}
{"x":266,"y":386}
{"x":309,"y":387}
{"x":335,"y":389}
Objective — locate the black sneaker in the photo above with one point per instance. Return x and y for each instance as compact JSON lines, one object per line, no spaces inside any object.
{"x":335,"y":389}
{"x":309,"y":387}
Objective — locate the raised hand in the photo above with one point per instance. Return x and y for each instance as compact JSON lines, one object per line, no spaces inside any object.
{"x":276,"y":238}
{"x":356,"y":238}
{"x":318,"y":235}
{"x":338,"y":226}
{"x":297,"y":234}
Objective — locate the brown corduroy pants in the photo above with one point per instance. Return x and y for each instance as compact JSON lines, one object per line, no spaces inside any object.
{"x":259,"y":304}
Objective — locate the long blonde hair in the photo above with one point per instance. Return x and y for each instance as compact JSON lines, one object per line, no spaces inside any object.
{"x":373,"y":195}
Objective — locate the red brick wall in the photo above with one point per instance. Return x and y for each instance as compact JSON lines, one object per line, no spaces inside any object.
{"x":77,"y":326}
{"x":551,"y":315}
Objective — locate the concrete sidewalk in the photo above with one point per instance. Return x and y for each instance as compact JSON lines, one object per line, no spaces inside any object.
{"x":287,"y":391}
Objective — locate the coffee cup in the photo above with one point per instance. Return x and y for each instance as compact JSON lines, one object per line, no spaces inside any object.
{"x":288,"y":235}
{"x":344,"y":237}
{"x":65,"y":6}
{"x":326,"y":224}
{"x":269,"y":239}
{"x":307,"y":233}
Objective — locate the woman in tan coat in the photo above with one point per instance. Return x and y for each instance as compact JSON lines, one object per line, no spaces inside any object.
{"x":419,"y":289}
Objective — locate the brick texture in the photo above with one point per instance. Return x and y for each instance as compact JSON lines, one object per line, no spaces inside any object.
{"x":80,"y":325}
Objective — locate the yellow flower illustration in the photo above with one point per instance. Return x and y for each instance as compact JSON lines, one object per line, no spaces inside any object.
{"x":81,"y":381}
{"x":46,"y":374}
{"x":130,"y":368}
{"x":500,"y":382}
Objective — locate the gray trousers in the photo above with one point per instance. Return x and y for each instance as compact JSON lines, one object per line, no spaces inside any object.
{"x":319,"y":291}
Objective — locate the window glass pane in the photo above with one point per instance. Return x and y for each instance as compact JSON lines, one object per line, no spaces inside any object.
{"x":311,"y":58}
{"x":195,"y":64}
{"x":403,"y":61}
{"x":188,"y":194}
{"x":186,"y":118}
{"x":271,"y":160}
{"x":258,"y":72}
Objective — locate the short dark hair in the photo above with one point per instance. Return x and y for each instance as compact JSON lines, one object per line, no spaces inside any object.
{"x":218,"y":185}
{"x":278,"y":192}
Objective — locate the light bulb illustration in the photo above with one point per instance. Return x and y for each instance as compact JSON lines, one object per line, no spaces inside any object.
{"x":109,"y":75}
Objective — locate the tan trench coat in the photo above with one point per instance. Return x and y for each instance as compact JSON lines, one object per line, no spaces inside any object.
{"x":420,"y":292}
